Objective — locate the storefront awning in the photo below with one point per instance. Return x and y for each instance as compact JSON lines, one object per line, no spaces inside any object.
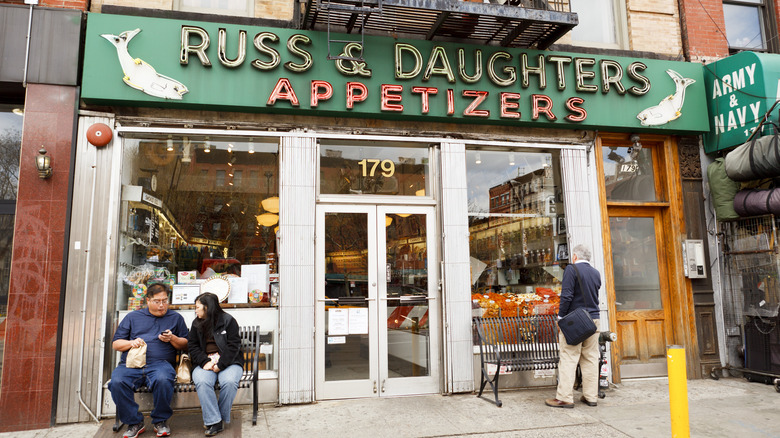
{"x":740,"y":90}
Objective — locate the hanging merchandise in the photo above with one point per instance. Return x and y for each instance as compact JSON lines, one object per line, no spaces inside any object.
{"x":759,"y":157}
{"x":757,"y":202}
{"x":723,"y":190}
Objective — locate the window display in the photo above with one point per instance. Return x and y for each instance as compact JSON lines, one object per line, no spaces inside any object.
{"x":200,"y":214}
{"x":517,"y":232}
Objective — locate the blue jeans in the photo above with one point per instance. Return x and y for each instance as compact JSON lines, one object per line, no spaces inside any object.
{"x":215,"y":410}
{"x":158,"y":376}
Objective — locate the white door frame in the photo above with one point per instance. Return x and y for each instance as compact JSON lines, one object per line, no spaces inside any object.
{"x":379,"y":383}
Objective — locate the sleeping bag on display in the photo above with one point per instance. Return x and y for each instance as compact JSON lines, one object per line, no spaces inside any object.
{"x":722,"y":191}
{"x":757,"y":158}
{"x":757,"y":202}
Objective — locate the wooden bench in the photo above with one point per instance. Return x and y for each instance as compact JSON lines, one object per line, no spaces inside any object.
{"x":515,"y":343}
{"x":251,"y":339}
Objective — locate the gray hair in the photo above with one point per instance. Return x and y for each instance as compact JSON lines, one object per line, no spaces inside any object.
{"x":582,"y":252}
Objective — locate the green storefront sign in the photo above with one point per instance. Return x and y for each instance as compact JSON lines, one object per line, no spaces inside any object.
{"x":142,"y":61}
{"x":740,"y":90}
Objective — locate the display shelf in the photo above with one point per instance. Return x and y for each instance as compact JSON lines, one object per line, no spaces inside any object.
{"x":222,"y":305}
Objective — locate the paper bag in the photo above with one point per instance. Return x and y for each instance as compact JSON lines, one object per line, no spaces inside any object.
{"x":184,"y":370}
{"x":136,"y":357}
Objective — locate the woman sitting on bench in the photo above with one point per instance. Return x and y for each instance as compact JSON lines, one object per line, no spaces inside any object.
{"x":215,"y":351}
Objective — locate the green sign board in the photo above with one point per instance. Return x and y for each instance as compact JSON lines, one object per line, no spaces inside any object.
{"x":153,"y":62}
{"x":740,"y":90}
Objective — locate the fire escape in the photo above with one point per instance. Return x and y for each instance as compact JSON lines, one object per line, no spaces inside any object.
{"x":534,"y":24}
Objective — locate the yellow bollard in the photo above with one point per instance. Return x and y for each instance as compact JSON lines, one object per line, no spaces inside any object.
{"x":678,"y":391}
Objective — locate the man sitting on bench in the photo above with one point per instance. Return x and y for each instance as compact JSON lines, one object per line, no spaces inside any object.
{"x":163,"y":332}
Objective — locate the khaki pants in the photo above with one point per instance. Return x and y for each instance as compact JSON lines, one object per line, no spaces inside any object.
{"x":587,"y":355}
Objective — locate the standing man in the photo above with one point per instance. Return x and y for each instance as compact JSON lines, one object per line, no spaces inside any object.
{"x":163,"y":332}
{"x":578,"y":291}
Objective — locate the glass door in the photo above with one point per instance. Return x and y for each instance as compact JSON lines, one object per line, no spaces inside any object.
{"x":641,"y":292}
{"x":377,"y":315}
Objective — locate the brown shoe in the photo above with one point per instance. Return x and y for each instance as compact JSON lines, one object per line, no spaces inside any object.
{"x":589,"y":403}
{"x":555,"y":403}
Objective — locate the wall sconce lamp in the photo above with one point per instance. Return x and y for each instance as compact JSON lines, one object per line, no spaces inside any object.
{"x":43,"y":163}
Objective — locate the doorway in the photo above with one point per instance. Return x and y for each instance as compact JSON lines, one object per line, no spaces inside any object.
{"x":641,"y":291}
{"x":643,"y":223}
{"x":377,"y":315}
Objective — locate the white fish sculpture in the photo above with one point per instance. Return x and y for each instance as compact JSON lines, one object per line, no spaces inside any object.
{"x":139,"y":74}
{"x":669,"y":108}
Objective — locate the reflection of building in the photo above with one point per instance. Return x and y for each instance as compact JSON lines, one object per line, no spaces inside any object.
{"x":532,"y":193}
{"x":517,"y":239}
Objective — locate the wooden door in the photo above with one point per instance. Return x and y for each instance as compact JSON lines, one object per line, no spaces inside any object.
{"x":641,"y":292}
{"x":641,"y":206}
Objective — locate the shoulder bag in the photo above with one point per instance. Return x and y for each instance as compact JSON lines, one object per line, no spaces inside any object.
{"x":577,"y":325}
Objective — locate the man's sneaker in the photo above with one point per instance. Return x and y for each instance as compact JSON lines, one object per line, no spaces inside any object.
{"x":162,"y":429}
{"x":134,"y":430}
{"x":214,"y":429}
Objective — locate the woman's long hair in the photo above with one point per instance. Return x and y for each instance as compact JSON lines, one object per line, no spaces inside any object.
{"x":213,"y":312}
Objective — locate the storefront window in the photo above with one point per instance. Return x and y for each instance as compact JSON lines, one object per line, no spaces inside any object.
{"x":628,"y":173}
{"x":635,"y":263}
{"x":187,"y":220}
{"x":243,"y":8}
{"x":394,"y":169}
{"x":11,"y":117}
{"x":517,"y":232}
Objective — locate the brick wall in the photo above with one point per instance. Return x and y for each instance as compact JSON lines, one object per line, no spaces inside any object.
{"x":274,"y":9}
{"x":271,"y":9}
{"x":64,"y":4}
{"x":705,"y":29}
{"x":652,"y":25}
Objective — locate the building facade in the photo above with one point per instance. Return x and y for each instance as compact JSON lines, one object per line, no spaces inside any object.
{"x":361,"y":196}
{"x":736,"y":43}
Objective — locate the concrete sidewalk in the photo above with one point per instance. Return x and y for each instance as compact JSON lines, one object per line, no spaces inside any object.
{"x":729,"y":407}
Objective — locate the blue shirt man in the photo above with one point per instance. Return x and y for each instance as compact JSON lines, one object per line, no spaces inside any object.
{"x":578,"y":291}
{"x":163,"y":331}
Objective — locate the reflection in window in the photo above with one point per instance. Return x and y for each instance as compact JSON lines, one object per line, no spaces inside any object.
{"x":352,"y":168}
{"x":244,"y":8}
{"x":597,"y":22}
{"x":635,"y":263}
{"x":628,"y":173}
{"x":184,"y":218}
{"x":11,"y":118}
{"x":744,"y":25}
{"x":517,"y":231}
{"x":10,"y":144}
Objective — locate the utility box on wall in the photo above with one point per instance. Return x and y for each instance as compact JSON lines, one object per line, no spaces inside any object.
{"x":693,"y":254}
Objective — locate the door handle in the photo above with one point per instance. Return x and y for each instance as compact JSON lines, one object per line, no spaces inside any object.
{"x":383,"y":384}
{"x":374,"y":386}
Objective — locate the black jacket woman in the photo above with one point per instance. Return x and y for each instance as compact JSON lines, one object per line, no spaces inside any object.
{"x":214,"y":345}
